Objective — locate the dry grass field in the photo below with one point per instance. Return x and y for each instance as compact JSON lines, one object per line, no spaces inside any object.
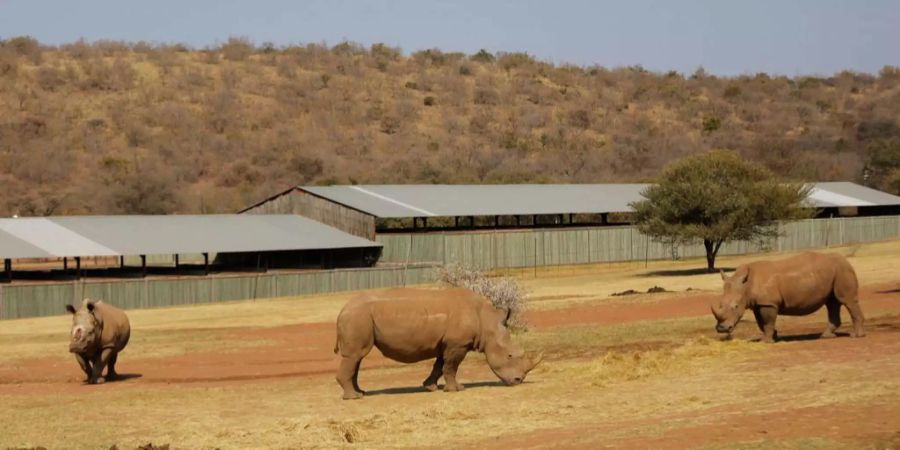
{"x":641,"y":371}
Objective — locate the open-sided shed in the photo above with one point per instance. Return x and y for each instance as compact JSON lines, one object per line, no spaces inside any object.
{"x":361,"y":209}
{"x":263,"y":240}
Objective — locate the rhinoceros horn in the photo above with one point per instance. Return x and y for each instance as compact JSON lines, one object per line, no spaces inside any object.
{"x":535,"y":362}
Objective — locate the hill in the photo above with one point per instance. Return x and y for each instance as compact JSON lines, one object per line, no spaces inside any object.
{"x":112,"y":127}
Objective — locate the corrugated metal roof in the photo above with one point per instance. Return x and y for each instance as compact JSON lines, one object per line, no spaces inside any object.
{"x":436,"y":200}
{"x":481,"y":200}
{"x":845,"y":194}
{"x":35,"y":237}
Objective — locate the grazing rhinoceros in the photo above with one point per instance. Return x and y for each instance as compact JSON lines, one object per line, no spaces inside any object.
{"x":411,"y":325}
{"x":795,"y":286}
{"x":99,"y":332}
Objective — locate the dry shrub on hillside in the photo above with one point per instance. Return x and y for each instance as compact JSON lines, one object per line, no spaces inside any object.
{"x":377,"y":115}
{"x":503,"y":292}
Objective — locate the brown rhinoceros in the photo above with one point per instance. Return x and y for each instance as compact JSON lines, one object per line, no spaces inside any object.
{"x":411,"y":325}
{"x":795,"y":286}
{"x":99,"y":332}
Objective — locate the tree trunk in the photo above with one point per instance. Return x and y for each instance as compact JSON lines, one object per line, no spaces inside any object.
{"x":712,"y":249}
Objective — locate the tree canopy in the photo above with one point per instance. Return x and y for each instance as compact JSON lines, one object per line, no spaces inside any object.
{"x":717,"y":197}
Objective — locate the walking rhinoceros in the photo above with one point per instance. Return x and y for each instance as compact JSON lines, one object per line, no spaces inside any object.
{"x":99,"y":332}
{"x":411,"y":325}
{"x":795,"y":286}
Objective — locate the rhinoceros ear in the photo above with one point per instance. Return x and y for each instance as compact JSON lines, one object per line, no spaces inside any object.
{"x":70,"y":309}
{"x":508,"y":312}
{"x":89,"y":304}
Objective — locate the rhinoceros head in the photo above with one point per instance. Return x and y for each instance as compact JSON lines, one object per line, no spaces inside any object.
{"x":86,"y":328}
{"x":505,"y":359}
{"x":731,"y":305}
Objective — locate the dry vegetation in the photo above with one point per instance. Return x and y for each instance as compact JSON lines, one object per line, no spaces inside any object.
{"x":503,"y":292}
{"x":112,"y":127}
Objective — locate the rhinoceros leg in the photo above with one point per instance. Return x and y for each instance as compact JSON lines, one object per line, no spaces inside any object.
{"x":760,"y":322}
{"x":85,"y":366}
{"x":834,"y":317}
{"x":851,"y":301}
{"x":356,"y":378}
{"x":452,"y":359}
{"x":98,"y":364}
{"x":846,"y":290}
{"x":768,"y":315}
{"x":347,"y":375}
{"x":111,"y":373}
{"x":430,"y":383}
{"x":857,"y":316}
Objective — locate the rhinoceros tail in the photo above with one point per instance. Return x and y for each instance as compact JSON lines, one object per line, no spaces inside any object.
{"x":337,"y":340}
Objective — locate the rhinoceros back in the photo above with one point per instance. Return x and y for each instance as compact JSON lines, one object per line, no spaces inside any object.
{"x":116,"y":327}
{"x":410,"y":325}
{"x":803,"y":282}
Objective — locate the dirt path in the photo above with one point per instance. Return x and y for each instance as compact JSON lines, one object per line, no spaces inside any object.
{"x":312,"y":348}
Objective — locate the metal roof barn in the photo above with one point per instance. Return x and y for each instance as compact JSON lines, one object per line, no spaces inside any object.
{"x":152,"y":235}
{"x":839,"y":194}
{"x":399,"y":201}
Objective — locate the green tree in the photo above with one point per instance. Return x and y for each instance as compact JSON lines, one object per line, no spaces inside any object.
{"x":717,"y":197}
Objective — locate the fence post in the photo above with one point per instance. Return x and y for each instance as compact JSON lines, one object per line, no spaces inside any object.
{"x":839,"y":231}
{"x":494,"y":251}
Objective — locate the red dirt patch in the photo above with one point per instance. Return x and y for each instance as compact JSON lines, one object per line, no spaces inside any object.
{"x":307,"y":349}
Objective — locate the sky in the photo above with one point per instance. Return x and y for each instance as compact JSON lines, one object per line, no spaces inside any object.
{"x":726,"y":37}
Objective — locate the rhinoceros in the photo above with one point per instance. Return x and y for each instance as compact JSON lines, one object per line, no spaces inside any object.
{"x":99,"y":332}
{"x":411,"y":325}
{"x":795,"y":286}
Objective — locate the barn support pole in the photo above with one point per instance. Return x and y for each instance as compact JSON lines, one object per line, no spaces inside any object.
{"x":7,"y":269}
{"x":143,"y":266}
{"x":455,"y":221}
{"x":496,"y":221}
{"x":78,"y":267}
{"x":177,"y":261}
{"x":415,"y":224}
{"x":534,"y":220}
{"x":65,"y":264}
{"x":604,"y":219}
{"x":425,"y":223}
{"x":121,"y":261}
{"x":518,"y":222}
{"x":206,"y":264}
{"x":571,"y":218}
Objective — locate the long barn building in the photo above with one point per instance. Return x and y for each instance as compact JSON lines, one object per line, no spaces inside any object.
{"x":364,"y":210}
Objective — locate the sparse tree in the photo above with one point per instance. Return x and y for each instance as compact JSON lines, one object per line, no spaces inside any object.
{"x":715,"y":198}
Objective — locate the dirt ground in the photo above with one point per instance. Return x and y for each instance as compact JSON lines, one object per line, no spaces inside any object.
{"x":643,"y":371}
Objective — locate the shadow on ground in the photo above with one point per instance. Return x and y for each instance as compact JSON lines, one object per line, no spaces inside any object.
{"x":807,"y":336}
{"x":417,"y":389}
